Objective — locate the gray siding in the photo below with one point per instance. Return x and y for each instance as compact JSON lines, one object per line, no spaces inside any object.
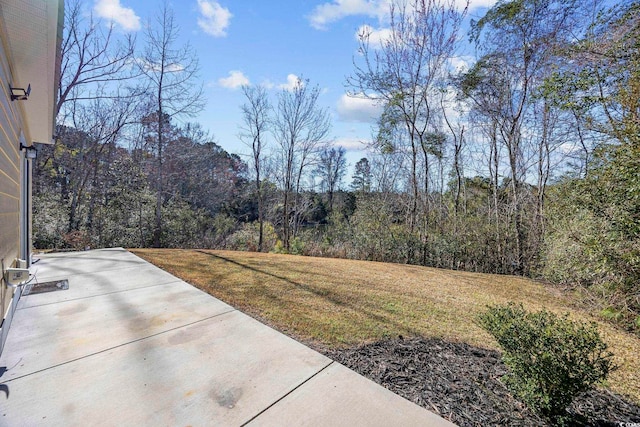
{"x":10,"y":163}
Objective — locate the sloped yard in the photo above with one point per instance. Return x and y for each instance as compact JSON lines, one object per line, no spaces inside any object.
{"x":336,"y":305}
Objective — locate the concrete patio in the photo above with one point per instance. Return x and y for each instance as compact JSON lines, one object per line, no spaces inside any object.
{"x":129,"y":344}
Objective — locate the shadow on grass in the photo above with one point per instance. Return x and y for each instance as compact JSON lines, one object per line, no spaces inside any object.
{"x":325,"y":294}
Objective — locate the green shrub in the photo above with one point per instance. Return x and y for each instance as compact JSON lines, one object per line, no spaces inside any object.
{"x":248,"y":237}
{"x":551,"y":358}
{"x":297,"y":246}
{"x":279,"y":248}
{"x":611,"y":313}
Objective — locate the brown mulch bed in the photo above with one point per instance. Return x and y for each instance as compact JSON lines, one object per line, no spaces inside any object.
{"x":462,"y":384}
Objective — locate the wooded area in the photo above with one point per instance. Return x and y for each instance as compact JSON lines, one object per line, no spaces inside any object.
{"x":526,"y":163}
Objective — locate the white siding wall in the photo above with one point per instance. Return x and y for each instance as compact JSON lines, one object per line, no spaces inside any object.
{"x":10,"y":173}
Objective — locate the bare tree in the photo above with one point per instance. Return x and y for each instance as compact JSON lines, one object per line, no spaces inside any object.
{"x":300,"y":128}
{"x":94,"y":63}
{"x":171,"y":73}
{"x":518,"y":41}
{"x":332,"y":166}
{"x":402,"y":74}
{"x":103,"y":122}
{"x":255,"y":116}
{"x":457,"y":135}
{"x":96,"y":87}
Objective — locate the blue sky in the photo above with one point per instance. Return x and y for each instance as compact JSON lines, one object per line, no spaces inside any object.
{"x":270,"y":43}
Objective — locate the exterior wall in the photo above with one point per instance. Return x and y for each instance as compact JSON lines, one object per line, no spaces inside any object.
{"x":11,"y":160}
{"x":30,"y":42}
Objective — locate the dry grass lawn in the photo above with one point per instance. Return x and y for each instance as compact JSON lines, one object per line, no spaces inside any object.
{"x":335,"y":302}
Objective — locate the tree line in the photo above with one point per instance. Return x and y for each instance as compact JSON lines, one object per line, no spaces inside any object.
{"x":525,"y":162}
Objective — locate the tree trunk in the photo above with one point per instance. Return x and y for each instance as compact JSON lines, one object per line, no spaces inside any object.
{"x":157,"y":232}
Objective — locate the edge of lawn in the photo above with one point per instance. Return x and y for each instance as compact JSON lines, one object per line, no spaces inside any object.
{"x":337,"y":303}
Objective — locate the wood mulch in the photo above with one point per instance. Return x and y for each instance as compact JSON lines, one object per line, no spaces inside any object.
{"x":462,"y":384}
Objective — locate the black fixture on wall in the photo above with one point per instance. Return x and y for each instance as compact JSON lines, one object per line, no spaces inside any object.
{"x":19,"y":93}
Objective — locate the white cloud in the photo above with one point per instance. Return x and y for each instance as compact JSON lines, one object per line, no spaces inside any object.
{"x":327,"y":13}
{"x":174,"y":68}
{"x":475,"y":4}
{"x":350,"y":144}
{"x":567,"y":148}
{"x":267,"y":84}
{"x":461,"y":63}
{"x":156,"y":67}
{"x":358,"y":109}
{"x":235,"y":80}
{"x":292,"y":81}
{"x":214,"y":18}
{"x":454,"y":109}
{"x":114,"y":11}
{"x":376,"y":37}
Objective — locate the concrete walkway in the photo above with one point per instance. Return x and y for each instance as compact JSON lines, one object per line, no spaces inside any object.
{"x":131,"y":345}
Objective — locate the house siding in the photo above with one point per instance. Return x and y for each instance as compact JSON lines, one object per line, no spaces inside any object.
{"x":10,"y":176}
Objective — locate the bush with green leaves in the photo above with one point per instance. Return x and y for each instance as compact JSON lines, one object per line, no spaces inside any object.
{"x":248,"y":236}
{"x":551,"y":358}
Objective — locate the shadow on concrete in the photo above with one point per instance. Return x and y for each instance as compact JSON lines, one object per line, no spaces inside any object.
{"x":3,"y":387}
